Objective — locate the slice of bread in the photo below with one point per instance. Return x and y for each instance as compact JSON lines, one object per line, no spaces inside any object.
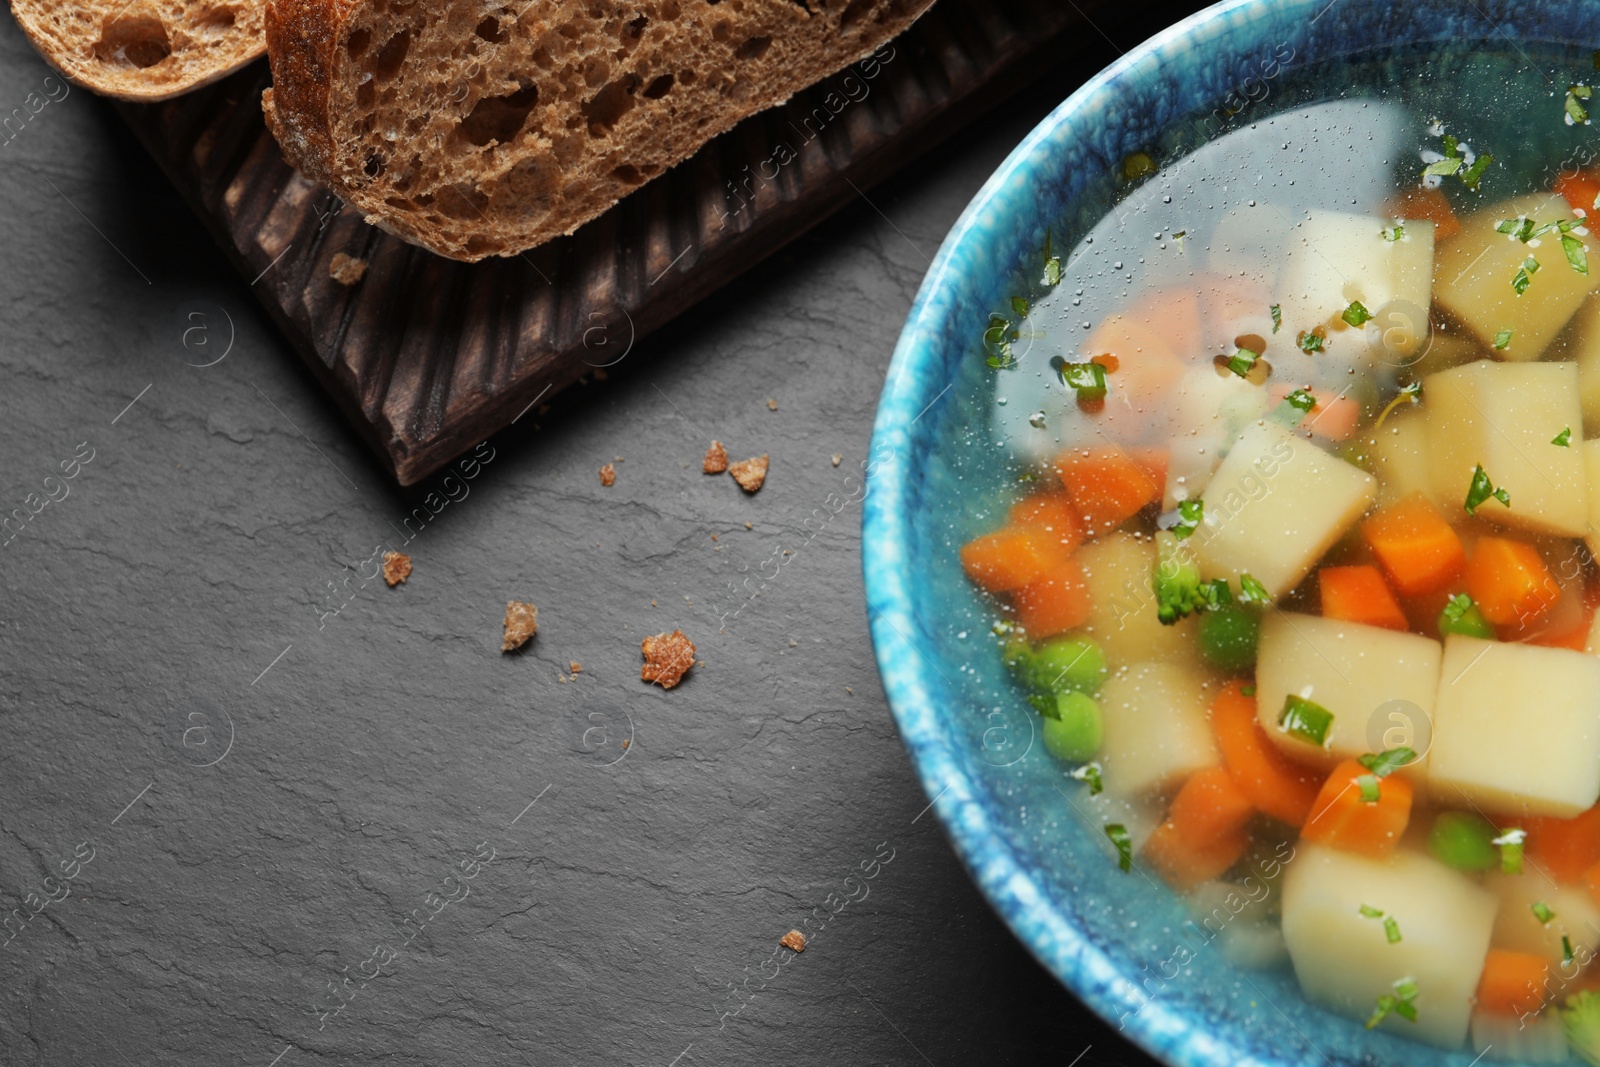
{"x":144,"y":50}
{"x":485,"y":127}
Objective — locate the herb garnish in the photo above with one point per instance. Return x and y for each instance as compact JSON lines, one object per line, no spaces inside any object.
{"x":1052,"y":265}
{"x":1502,"y":339}
{"x":1382,"y":764}
{"x":1090,"y":772}
{"x":1356,"y":313}
{"x":1252,"y":591}
{"x":1511,"y":844}
{"x":1401,"y":1003}
{"x":1455,"y":162}
{"x":1190,"y":512}
{"x":1310,"y":341}
{"x":1577,"y":114}
{"x":1119,"y":837}
{"x":1481,"y":489}
{"x":1393,"y":233}
{"x":997,"y":339}
{"x":1563,"y":439}
{"x":1577,"y":254}
{"x":1542,"y":912}
{"x":1243,"y":361}
{"x":1277,"y":318}
{"x":1088,"y":379}
{"x":1306,"y":720}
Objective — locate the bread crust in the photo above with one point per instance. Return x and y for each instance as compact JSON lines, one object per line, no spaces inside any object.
{"x":494,"y":187}
{"x":144,"y":50}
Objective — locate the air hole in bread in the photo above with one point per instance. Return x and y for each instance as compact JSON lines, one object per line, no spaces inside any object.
{"x":214,"y":22}
{"x":358,"y":42}
{"x":489,"y":29}
{"x":721,"y":31}
{"x":392,"y":54}
{"x":460,"y":203}
{"x":606,"y":107}
{"x":498,"y":118}
{"x":373,"y":166}
{"x":628,"y":174}
{"x":632,"y":31}
{"x":135,"y":40}
{"x":754,"y":48}
{"x":854,"y":12}
{"x":658,"y":88}
{"x":366,"y":92}
{"x":686,"y":78}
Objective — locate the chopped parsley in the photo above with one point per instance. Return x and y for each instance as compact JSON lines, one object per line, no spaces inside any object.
{"x":1567,"y":955}
{"x":1020,"y":306}
{"x":1402,"y":1003}
{"x":1455,"y":163}
{"x":1052,"y":265}
{"x":1310,"y":341}
{"x":1369,"y":912}
{"x":1306,"y":720}
{"x":1088,"y":379}
{"x":1474,"y":174}
{"x":1577,"y":255}
{"x":1393,"y":233}
{"x":1243,"y":361}
{"x":1368,"y":784}
{"x":1301,"y":400}
{"x":1119,"y":837}
{"x":1542,"y":912}
{"x":1525,"y":273}
{"x":1511,"y":845}
{"x":1356,"y":313}
{"x":1481,"y":489}
{"x":1382,"y":764}
{"x":1520,"y":228}
{"x":1391,"y":930}
{"x":1277,"y":318}
{"x":1577,"y":114}
{"x":1563,"y":439}
{"x":1190,"y":512}
{"x":1502,"y":340}
{"x":1252,"y":591}
{"x":1090,"y":772}
{"x":997,"y":341}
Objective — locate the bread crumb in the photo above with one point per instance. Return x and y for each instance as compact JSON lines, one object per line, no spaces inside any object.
{"x":574,"y":666}
{"x":751,"y":473}
{"x":608,"y":475}
{"x":838,"y":458}
{"x":716,"y":459}
{"x":346,"y":270}
{"x":749,"y":526}
{"x":667,"y":657}
{"x":652,"y":602}
{"x":396,"y":568}
{"x":626,"y":741}
{"x":522,"y":622}
{"x":794,"y":939}
{"x":772,"y":405}
{"x":713,"y":537}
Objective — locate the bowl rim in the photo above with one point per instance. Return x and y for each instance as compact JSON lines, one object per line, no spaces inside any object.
{"x":1006,"y":883}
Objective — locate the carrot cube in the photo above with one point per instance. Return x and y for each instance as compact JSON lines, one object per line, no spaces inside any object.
{"x":1010,"y":558}
{"x":1055,"y":603}
{"x":1513,"y":983}
{"x":1342,"y":818}
{"x":1510,"y":582}
{"x":1274,"y":783}
{"x":1053,"y":513}
{"x":1109,"y":486}
{"x":1564,"y":849}
{"x":1416,"y":546}
{"x":1359,"y":594}
{"x":1184,"y":863}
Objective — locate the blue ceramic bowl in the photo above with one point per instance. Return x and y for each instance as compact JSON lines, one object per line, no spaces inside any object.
{"x":1119,"y":941}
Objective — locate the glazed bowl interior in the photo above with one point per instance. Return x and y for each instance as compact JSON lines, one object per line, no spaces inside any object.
{"x":941,"y":474}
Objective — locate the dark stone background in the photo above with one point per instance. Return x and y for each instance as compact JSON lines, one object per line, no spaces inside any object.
{"x":268,"y":783}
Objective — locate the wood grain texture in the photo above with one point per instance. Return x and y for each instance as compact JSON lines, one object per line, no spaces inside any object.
{"x":428,"y":356}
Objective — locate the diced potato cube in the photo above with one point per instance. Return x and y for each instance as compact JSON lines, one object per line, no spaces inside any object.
{"x":1334,"y":258}
{"x":1379,"y":684}
{"x":1345,"y":962}
{"x":1399,"y":454}
{"x":1120,"y":571}
{"x":1585,"y":349}
{"x":1503,"y":417}
{"x":1474,"y":271}
{"x":1514,"y":1039}
{"x":1518,"y":929}
{"x":1591,"y":468}
{"x":1516,"y":728}
{"x":1157,"y":726}
{"x":1275,"y":505}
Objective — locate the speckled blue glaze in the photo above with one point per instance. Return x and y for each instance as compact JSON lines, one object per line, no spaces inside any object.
{"x":1115,"y":939}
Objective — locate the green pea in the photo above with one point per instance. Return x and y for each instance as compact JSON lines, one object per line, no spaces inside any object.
{"x":1464,"y":840}
{"x":1068,"y":663}
{"x":1469,"y":623}
{"x":1074,"y":735}
{"x":1228,"y":636}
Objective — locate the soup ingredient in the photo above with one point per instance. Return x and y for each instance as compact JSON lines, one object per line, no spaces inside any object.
{"x":1055,"y":603}
{"x":1074,"y":732}
{"x":1354,"y":671}
{"x":1544,"y":759}
{"x":1420,"y":202}
{"x":1228,"y":637}
{"x":1481,"y":490}
{"x":1402,"y":1002}
{"x":1531,"y":1039}
{"x":1564,"y":849}
{"x":521,"y":623}
{"x":1121,"y":570}
{"x":1119,"y":837}
{"x":1274,"y":784}
{"x":1563,"y":439}
{"x":1464,"y":840}
{"x":1060,"y":665}
{"x":1580,"y":1018}
{"x":1087,"y":379}
{"x":1461,"y":615}
{"x":1512,"y":982}
{"x":1474,"y":277}
{"x":1498,"y":418}
{"x":1334,"y":258}
{"x":1418,"y":549}
{"x":1276,"y":504}
{"x":1343,"y":818}
{"x":1157,"y":732}
{"x":1052,"y":512}
{"x":1509,"y":582}
{"x":1011,"y":558}
{"x":1359,"y":594}
{"x":1344,"y":961}
{"x":667,"y":658}
{"x":1543,"y":920}
{"x":1180,"y":592}
{"x":716,"y":460}
{"x":1204,"y":833}
{"x":1108,"y":486}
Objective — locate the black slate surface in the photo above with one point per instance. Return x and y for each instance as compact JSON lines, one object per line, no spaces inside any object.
{"x":262,"y":810}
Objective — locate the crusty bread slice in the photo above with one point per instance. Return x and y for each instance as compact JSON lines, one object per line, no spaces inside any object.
{"x":485,"y":127}
{"x":144,"y":49}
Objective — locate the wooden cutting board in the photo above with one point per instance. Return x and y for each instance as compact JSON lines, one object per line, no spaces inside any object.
{"x":428,"y":356}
